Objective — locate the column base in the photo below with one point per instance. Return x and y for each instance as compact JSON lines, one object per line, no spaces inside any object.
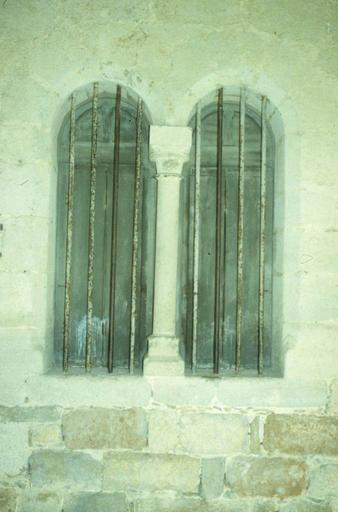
{"x":163,"y":357}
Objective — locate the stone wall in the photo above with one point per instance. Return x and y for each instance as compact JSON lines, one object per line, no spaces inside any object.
{"x":167,"y":457}
{"x":88,"y":442}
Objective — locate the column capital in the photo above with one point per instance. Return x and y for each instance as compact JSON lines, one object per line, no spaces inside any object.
{"x":170,"y":148}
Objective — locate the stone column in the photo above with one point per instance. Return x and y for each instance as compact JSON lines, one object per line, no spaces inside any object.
{"x":169,"y":149}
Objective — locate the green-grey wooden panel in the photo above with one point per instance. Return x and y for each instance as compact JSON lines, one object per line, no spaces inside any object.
{"x":205,"y":325}
{"x":103,"y":236}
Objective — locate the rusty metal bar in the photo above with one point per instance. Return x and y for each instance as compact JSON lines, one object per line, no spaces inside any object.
{"x":262,"y":238}
{"x":69,"y":240}
{"x":240,"y":228}
{"x":196,"y":234}
{"x":136,"y":227}
{"x":218,"y":234}
{"x":117,"y":129}
{"x":91,"y":231}
{"x":104,"y":263}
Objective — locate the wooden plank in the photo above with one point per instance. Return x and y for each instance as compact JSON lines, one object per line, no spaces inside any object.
{"x":135,"y":241}
{"x":69,"y":240}
{"x":91,"y":233}
{"x":262,"y":240}
{"x":240,"y":230}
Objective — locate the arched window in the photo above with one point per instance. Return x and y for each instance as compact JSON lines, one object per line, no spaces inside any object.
{"x":227,"y":236}
{"x":105,"y":232}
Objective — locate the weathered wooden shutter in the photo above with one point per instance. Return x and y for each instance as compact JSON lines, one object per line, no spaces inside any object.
{"x":227,"y":238}
{"x":105,"y":233}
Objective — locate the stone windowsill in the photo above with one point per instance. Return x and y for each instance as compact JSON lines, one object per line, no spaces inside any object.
{"x":105,"y":390}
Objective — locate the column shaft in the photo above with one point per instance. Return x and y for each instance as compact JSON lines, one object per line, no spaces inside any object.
{"x":169,"y":148}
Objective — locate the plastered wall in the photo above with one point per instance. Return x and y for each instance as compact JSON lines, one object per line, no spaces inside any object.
{"x":172,"y":54}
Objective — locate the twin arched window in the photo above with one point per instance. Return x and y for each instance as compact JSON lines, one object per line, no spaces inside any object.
{"x":106,"y":234}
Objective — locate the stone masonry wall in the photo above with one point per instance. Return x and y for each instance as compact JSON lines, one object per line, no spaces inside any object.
{"x":163,"y":458}
{"x":103,"y":443}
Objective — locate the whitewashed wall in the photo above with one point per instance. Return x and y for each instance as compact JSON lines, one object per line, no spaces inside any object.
{"x":172,"y":54}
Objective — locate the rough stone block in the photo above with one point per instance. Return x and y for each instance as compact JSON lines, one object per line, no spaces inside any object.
{"x":303,"y":505}
{"x":164,"y":431}
{"x":265,"y":476}
{"x":297,"y":434}
{"x":324,"y":482}
{"x":144,"y":471}
{"x":14,"y":450}
{"x":185,"y":504}
{"x":265,"y":506}
{"x":198,"y":433}
{"x":82,"y":471}
{"x":333,"y":399}
{"x":47,"y":468}
{"x":65,"y":469}
{"x":255,"y":434}
{"x":28,"y":414}
{"x":92,"y":502}
{"x":37,"y":501}
{"x":45,"y":435}
{"x":7,"y":500}
{"x":214,"y":434}
{"x":212,"y":478}
{"x":104,"y":428}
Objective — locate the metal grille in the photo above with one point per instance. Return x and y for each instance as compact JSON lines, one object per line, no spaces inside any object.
{"x":105,"y":234}
{"x":227,"y":238}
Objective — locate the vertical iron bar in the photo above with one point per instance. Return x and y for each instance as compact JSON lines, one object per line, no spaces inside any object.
{"x":104,"y":266}
{"x":91,"y":231}
{"x":196,"y":235}
{"x":114,"y":227}
{"x":240,"y":227}
{"x":69,"y":240}
{"x":262,"y":238}
{"x":136,"y":227}
{"x":218,"y":241}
